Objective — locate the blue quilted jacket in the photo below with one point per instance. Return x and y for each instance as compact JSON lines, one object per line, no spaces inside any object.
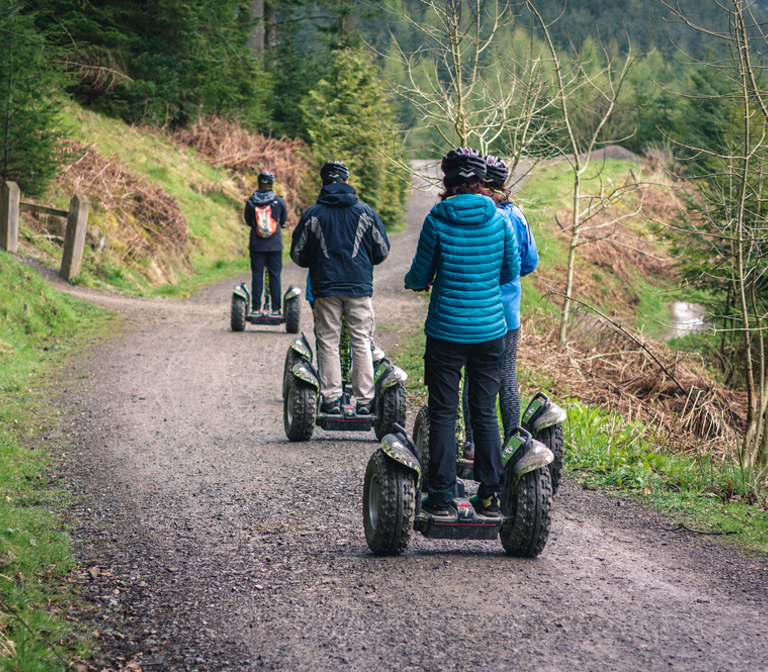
{"x":529,"y":259}
{"x":466,"y":250}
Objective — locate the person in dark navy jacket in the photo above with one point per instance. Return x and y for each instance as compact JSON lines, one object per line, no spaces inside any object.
{"x":340,"y":239}
{"x":466,"y":251}
{"x":265,"y":213}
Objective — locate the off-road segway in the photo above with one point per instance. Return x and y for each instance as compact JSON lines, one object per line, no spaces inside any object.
{"x":542,"y":418}
{"x":243,"y":311}
{"x":301,"y":394}
{"x":392,"y":501}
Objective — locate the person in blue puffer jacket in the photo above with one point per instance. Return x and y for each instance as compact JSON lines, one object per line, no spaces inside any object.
{"x":509,"y":394}
{"x":466,"y":251}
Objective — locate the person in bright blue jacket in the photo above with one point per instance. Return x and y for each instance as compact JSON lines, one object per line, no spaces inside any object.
{"x":509,"y":394}
{"x":466,"y":251}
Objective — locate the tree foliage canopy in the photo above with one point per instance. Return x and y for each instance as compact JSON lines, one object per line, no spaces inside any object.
{"x":348,"y":119}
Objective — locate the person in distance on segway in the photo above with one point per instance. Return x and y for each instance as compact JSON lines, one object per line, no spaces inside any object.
{"x":265,"y":213}
{"x":466,"y":251}
{"x":340,"y":239}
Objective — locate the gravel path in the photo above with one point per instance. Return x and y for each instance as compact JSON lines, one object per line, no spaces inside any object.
{"x":213,"y":543}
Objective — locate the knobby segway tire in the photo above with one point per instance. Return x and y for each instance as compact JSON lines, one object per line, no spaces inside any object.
{"x":389,"y":505}
{"x":237,"y":318}
{"x":526,"y":520}
{"x":552,"y":437}
{"x":292,"y":313}
{"x":291,"y":357}
{"x":299,"y":410}
{"x":421,"y":439}
{"x":392,"y":411}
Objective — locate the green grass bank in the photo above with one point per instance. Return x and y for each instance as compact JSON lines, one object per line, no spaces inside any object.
{"x":39,"y":328}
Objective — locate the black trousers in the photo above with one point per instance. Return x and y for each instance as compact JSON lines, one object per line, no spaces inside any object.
{"x":274,"y":264}
{"x":443,"y":362}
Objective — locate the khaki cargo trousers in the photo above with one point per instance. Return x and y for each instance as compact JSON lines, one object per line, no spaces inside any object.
{"x":358,"y":312}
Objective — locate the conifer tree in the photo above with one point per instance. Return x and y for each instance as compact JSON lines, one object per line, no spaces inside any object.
{"x":28,"y":113}
{"x":348,"y":119}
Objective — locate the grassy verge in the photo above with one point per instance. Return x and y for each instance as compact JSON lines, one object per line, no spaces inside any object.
{"x":38,"y":329}
{"x":605,"y":451}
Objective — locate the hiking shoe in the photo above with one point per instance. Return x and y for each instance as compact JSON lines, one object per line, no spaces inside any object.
{"x":436,"y":511}
{"x":468,"y":450}
{"x":331,"y":407}
{"x":489,"y":507}
{"x":363,"y":409}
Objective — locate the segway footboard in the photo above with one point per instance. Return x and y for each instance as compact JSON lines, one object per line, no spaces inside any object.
{"x":345,"y":423}
{"x":466,"y":524}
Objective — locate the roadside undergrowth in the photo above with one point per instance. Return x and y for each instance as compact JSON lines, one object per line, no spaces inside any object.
{"x":166,"y":210}
{"x":39,"y":328}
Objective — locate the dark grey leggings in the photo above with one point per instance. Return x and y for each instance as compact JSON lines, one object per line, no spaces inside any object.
{"x":509,"y":394}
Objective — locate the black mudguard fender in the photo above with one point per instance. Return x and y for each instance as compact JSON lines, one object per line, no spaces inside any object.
{"x":242,"y":291}
{"x":395,"y":449}
{"x":292,"y":293}
{"x":522,"y":454}
{"x":542,"y":413}
{"x":387,"y":374}
{"x":301,"y":345}
{"x":303,"y":371}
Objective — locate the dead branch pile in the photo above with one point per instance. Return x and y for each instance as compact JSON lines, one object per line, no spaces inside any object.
{"x":607,"y":365}
{"x":626,"y":255}
{"x":244,"y":154}
{"x":147,"y":222}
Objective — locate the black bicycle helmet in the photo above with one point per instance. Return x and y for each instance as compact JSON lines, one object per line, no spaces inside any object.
{"x":497,"y":171}
{"x":334,"y":170}
{"x":461,"y":165}
{"x":266,"y":177}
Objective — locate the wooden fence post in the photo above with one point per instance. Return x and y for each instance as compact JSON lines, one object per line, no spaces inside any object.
{"x":74,"y":239}
{"x":9,"y":216}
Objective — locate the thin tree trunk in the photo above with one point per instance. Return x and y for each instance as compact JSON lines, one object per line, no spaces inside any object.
{"x":256,"y":39}
{"x":270,"y":34}
{"x":574,"y":243}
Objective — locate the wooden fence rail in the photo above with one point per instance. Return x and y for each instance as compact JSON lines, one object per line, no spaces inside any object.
{"x":74,"y":238}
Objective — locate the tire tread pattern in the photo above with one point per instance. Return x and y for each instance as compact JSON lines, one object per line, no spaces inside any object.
{"x":237,"y":317}
{"x":291,"y":357}
{"x":301,"y":400}
{"x":392,"y":410}
{"x":397,"y":506}
{"x":292,"y":314}
{"x":552,"y":437}
{"x":526,"y":527}
{"x":421,"y":437}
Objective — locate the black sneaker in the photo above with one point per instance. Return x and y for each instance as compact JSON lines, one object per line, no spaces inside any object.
{"x":363,"y":409}
{"x":436,"y":511}
{"x":331,"y":407}
{"x":489,"y":507}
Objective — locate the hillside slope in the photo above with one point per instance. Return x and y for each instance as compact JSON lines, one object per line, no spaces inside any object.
{"x":164,"y":218}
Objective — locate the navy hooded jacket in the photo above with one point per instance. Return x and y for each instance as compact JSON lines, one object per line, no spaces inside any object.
{"x":466,"y":251}
{"x":340,"y":239}
{"x":279,"y":213}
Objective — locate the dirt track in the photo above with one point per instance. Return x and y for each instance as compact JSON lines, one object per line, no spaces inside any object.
{"x":222,"y":546}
